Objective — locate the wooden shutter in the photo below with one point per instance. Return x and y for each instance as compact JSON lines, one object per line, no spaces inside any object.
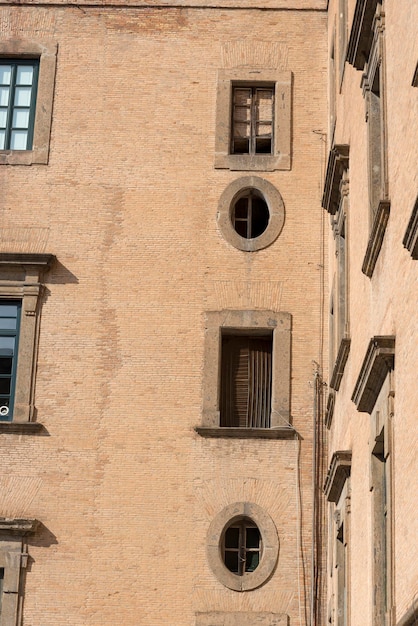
{"x":246,"y":381}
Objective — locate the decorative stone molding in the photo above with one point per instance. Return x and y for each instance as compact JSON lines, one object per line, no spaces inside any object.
{"x":415,"y":77}
{"x":21,"y":278}
{"x":338,"y":472}
{"x":338,"y":161}
{"x":376,"y":238}
{"x":17,"y":526}
{"x":270,"y":542}
{"x":378,"y":361}
{"x":276,"y":213}
{"x":341,"y":360}
{"x":361,"y":35}
{"x":410,"y":240}
{"x":410,"y":618}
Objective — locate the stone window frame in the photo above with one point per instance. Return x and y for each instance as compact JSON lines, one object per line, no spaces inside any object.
{"x":281,"y":157}
{"x":279,"y":323}
{"x":379,"y":203}
{"x":46,"y":52}
{"x":270,"y":541}
{"x":14,"y":559}
{"x":275,"y":206}
{"x":21,"y":278}
{"x":335,"y":201}
{"x":337,"y":489}
{"x":381,"y":488}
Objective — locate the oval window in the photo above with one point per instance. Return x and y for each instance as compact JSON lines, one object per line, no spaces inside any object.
{"x":250,"y":214}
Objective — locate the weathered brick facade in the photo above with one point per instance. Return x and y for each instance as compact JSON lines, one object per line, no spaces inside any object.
{"x":122,"y":482}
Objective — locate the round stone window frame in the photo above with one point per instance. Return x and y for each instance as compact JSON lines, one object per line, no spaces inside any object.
{"x":275,"y":204}
{"x":270,"y":546}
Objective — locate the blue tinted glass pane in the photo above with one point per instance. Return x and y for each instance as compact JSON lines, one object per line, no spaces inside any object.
{"x":5,"y":74}
{"x":24,"y":75}
{"x":7,"y":345}
{"x":8,"y":323}
{"x":8,"y":310}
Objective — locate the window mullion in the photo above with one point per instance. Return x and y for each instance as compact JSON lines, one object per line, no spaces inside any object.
{"x":10,"y":108}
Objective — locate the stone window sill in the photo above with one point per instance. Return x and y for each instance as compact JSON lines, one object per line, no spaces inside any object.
{"x":22,"y":428}
{"x":285,"y":432}
{"x":376,"y":238}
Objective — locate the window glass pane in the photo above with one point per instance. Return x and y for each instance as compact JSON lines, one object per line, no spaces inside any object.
{"x":8,"y":310}
{"x":24,"y":75}
{"x":231,"y":561}
{"x":232,"y":538}
{"x":2,"y":139}
{"x":18,"y":140}
{"x":242,"y":97}
{"x":6,"y":365}
{"x":4,"y":387}
{"x":7,"y":345}
{"x":242,"y":114}
{"x":4,"y":96}
{"x":264,"y":105}
{"x":253,"y":538}
{"x":3,"y":118}
{"x":22,"y":96}
{"x":241,"y":130}
{"x":8,"y":323}
{"x":20,"y":118}
{"x":251,"y":561}
{"x":5,"y":74}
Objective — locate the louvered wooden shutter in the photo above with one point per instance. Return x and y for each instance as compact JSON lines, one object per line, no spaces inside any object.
{"x":246,"y":381}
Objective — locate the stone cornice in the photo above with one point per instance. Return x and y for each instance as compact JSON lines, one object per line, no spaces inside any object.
{"x":361,"y":35}
{"x":337,"y":163}
{"x":410,"y":618}
{"x":338,"y":472}
{"x":18,"y":526}
{"x":410,"y":240}
{"x":13,"y":259}
{"x":379,"y":360}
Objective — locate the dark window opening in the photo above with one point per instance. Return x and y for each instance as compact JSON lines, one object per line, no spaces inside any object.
{"x":242,"y":547}
{"x":250,"y":215}
{"x":252,"y":120}
{"x":18,"y":86}
{"x":246,"y":376}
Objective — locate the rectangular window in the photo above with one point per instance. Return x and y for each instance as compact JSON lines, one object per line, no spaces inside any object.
{"x":18,"y":87}
{"x":252,"y":120}
{"x":246,"y":375}
{"x":9,"y":336}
